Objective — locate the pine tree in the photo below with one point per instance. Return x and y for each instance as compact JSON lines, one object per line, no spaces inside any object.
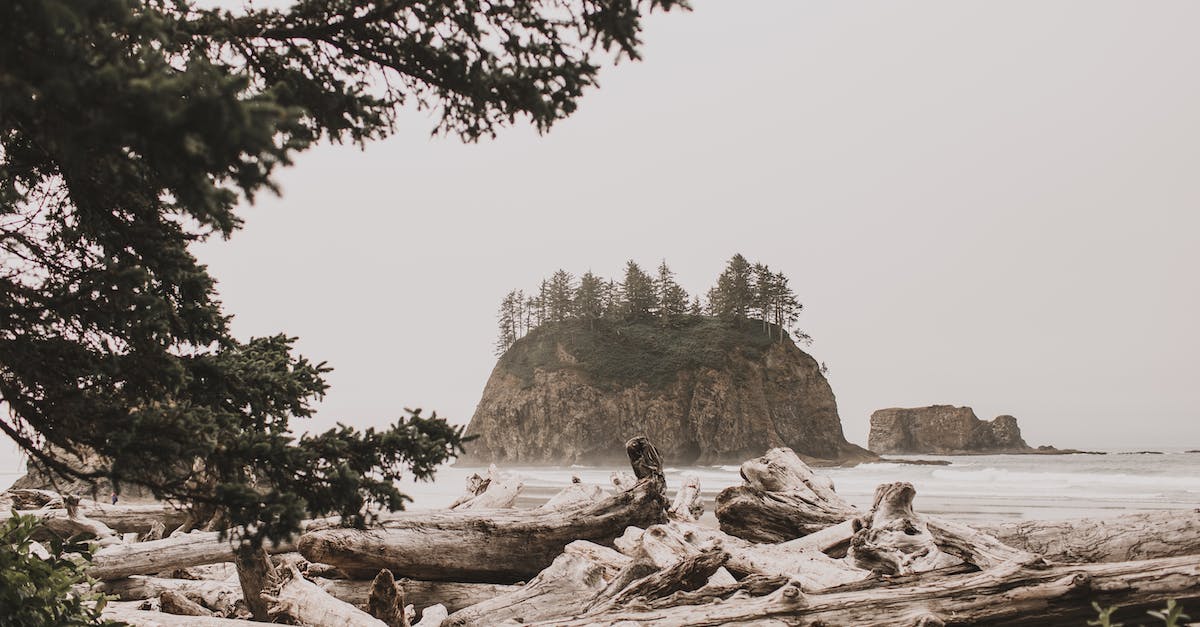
{"x":543,"y":303}
{"x":763,"y":300}
{"x":696,"y":309}
{"x":589,"y":298}
{"x":786,"y":306}
{"x":734,"y":293}
{"x":531,"y":314}
{"x":508,"y":319}
{"x":612,"y":301}
{"x":559,"y":293}
{"x":672,"y":298}
{"x":638,"y":300}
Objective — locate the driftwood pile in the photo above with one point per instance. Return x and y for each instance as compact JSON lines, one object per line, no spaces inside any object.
{"x":789,"y":551}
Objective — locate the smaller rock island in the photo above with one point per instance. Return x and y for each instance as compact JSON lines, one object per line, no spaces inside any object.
{"x":947,"y":430}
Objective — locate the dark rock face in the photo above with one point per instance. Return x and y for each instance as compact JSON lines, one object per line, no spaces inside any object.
{"x":943,"y":430}
{"x":705,"y":415}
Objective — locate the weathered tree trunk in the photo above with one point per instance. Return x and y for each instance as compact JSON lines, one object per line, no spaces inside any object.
{"x":1007,"y":595}
{"x":1119,"y":539}
{"x":256,"y":573}
{"x":781,"y":499}
{"x":891,"y":539}
{"x":496,"y":492}
{"x":688,"y":505}
{"x":119,"y":518}
{"x":173,"y":602}
{"x":476,"y":484}
{"x":386,"y":601}
{"x":687,"y":574}
{"x":217,"y":596}
{"x":190,"y":549}
{"x":564,"y":588}
{"x":493,"y":546}
{"x":305,"y":602}
{"x":666,"y":544}
{"x":577,"y":492}
{"x":139,"y":618}
{"x":451,"y":594}
{"x":78,"y":523}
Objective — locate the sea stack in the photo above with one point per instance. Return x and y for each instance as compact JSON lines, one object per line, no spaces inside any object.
{"x":943,"y":430}
{"x":705,"y":391}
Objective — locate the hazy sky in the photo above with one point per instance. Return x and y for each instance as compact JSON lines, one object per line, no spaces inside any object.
{"x":982,"y":203}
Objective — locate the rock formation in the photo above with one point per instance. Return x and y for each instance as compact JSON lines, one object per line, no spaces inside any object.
{"x":944,"y":430}
{"x":706,"y":392}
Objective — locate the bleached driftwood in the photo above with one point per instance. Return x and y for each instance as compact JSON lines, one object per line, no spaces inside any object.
{"x":434,"y":616}
{"x":688,"y":504}
{"x":307,"y":603}
{"x":476,"y":484}
{"x":77,"y":523}
{"x":1122,"y":538}
{"x":891,"y":539}
{"x":451,"y":594}
{"x":576,"y":492}
{"x":689,"y":573}
{"x":218,"y":596}
{"x":120,"y":519}
{"x":497,"y":546}
{"x":781,"y":499}
{"x":190,"y":549}
{"x":1012,"y":594}
{"x":130,"y":614}
{"x":173,"y":602}
{"x":666,"y":544}
{"x":497,"y":492}
{"x":563,"y":588}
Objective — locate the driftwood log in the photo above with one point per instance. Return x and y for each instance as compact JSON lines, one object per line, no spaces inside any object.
{"x":452,"y":595}
{"x":492,"y":492}
{"x":173,"y":602}
{"x":1119,"y":539}
{"x":576,"y":492}
{"x":184,"y":550}
{"x":304,"y":601}
{"x":781,"y":499}
{"x":218,"y":596}
{"x":130,"y":614}
{"x":1010,"y":595}
{"x":496,"y":546}
{"x":139,"y":518}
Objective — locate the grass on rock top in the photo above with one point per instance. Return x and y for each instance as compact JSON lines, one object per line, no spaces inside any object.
{"x":618,"y":353}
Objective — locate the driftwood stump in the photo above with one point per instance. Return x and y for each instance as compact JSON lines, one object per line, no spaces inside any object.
{"x":781,"y":499}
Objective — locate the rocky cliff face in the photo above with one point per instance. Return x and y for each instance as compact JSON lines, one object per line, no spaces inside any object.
{"x":700,"y":395}
{"x":943,"y":430}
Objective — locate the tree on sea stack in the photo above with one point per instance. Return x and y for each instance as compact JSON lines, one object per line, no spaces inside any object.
{"x":130,"y":129}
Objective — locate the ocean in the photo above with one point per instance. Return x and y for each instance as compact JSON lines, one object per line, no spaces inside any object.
{"x":970,"y":488}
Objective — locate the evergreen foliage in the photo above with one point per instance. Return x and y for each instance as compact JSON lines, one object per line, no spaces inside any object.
{"x":130,"y":129}
{"x":638,"y":298}
{"x":743,"y":291}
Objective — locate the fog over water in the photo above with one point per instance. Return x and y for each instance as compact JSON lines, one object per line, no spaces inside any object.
{"x":974,"y":208}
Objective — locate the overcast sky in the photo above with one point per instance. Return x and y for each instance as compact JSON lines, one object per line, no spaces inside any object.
{"x":990,"y":204}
